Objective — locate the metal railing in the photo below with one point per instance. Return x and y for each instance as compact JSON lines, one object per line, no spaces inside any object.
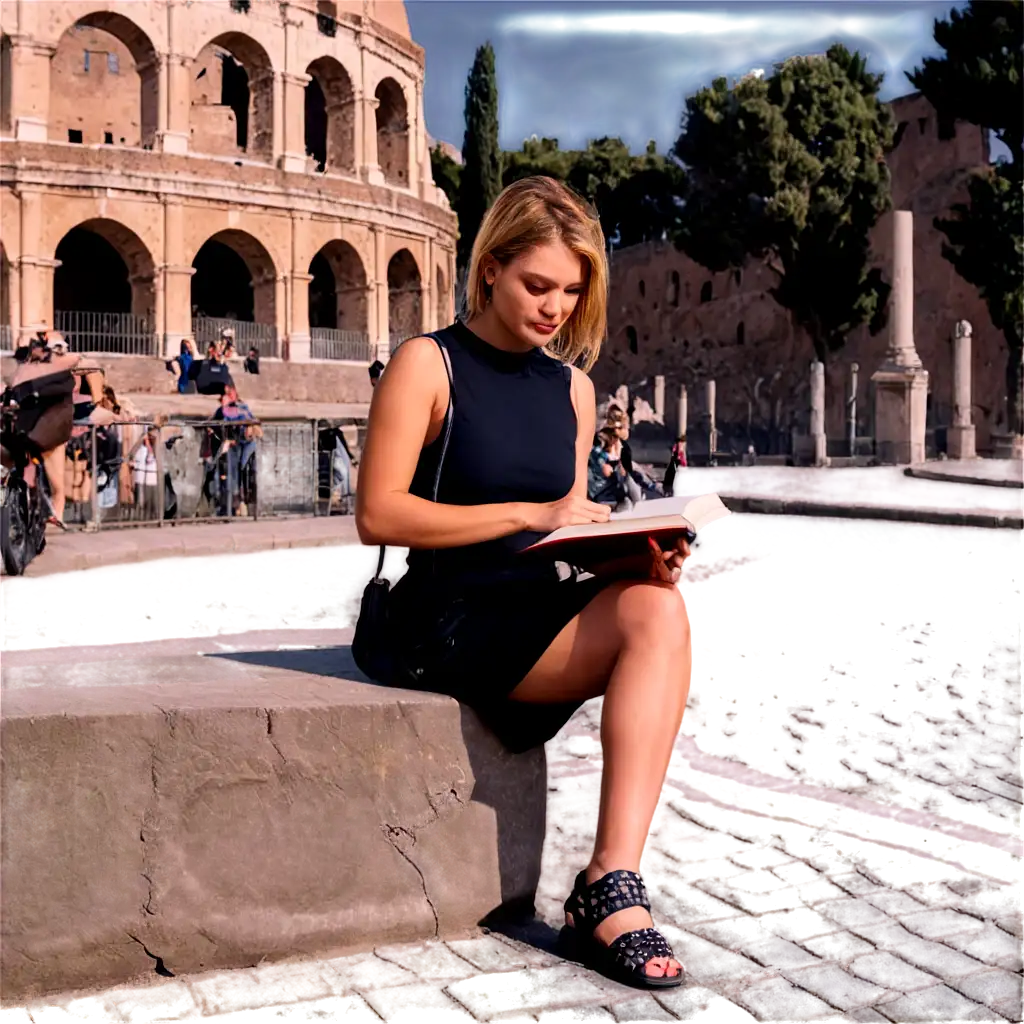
{"x":135,"y":473}
{"x":6,"y":338}
{"x":262,"y":337}
{"x":118,"y":333}
{"x":328,"y":343}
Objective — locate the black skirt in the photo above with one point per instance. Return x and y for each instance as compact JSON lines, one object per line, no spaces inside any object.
{"x":477,"y":639}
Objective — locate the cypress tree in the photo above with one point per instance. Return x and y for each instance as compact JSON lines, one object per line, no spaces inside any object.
{"x":480,"y":180}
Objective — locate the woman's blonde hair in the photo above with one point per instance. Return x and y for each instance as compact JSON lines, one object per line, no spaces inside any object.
{"x":537,"y":211}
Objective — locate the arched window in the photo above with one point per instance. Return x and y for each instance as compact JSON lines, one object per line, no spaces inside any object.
{"x":643,"y":288}
{"x":741,"y":333}
{"x":673,"y":288}
{"x":631,"y":339}
{"x":706,"y":292}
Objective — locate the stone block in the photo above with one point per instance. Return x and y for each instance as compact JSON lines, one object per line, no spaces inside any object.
{"x":796,"y":873}
{"x":938,"y":1003}
{"x":247,"y":807}
{"x":708,"y":964}
{"x":934,"y":957}
{"x":937,"y":924}
{"x":336,"y":1009}
{"x":778,"y":999}
{"x":487,"y":953}
{"x":867,"y":1015}
{"x":831,"y":983}
{"x":227,"y":991}
{"x":893,"y":902}
{"x":527,"y":991}
{"x":412,"y":1004}
{"x":644,"y":1008}
{"x":840,"y":946}
{"x":991,"y":946}
{"x":73,"y":1011}
{"x":431,"y":961}
{"x":755,"y":857}
{"x":365,"y":971}
{"x":993,"y":988}
{"x":584,"y":1013}
{"x":693,"y":1001}
{"x":798,"y":925}
{"x":890,"y":972}
{"x":853,"y":912}
{"x":172,"y":1000}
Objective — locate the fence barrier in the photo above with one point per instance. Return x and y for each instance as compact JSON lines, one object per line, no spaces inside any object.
{"x":117,"y":333}
{"x":131,"y":473}
{"x":6,"y":338}
{"x":328,"y":343}
{"x":262,"y":337}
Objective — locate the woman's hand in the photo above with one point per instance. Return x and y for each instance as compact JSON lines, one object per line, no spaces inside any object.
{"x":572,"y":510}
{"x":668,"y":565}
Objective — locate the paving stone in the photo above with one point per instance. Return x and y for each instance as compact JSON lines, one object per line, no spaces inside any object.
{"x":530,"y":990}
{"x":867,"y":1015}
{"x":683,"y":904}
{"x":938,"y":1003}
{"x":947,"y":963}
{"x":692,"y":1001}
{"x":594,"y":1013}
{"x":778,"y":999}
{"x":346,"y":1009}
{"x":533,"y":956}
{"x":890,"y":972}
{"x":855,"y":883}
{"x":812,"y":893}
{"x":755,"y":857}
{"x":936,"y":924}
{"x":797,"y":873}
{"x":411,"y":1004}
{"x":1011,"y":923}
{"x":992,"y":946}
{"x":758,"y":882}
{"x":775,"y":953}
{"x":643,"y":1008}
{"x":798,"y":925}
{"x":885,"y":935}
{"x":707,"y":963}
{"x":838,"y":946}
{"x":487,"y":953}
{"x":893,"y":902}
{"x":364,"y":971}
{"x":992,"y":987}
{"x":85,"y":1008}
{"x":853,"y":912}
{"x":752,"y":903}
{"x":836,"y":987}
{"x":227,"y":991}
{"x":432,"y":961}
{"x":733,"y":932}
{"x":169,"y":1001}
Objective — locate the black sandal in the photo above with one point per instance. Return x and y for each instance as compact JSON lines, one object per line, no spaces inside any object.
{"x":625,"y":958}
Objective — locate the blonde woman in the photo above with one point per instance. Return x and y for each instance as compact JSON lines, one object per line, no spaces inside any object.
{"x":513,"y":640}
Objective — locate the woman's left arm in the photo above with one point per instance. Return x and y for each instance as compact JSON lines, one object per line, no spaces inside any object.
{"x":584,"y":401}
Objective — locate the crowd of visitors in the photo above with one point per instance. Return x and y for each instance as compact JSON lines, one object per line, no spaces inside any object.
{"x":210,"y":375}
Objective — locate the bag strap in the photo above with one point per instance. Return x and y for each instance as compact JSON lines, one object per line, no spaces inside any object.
{"x":449,"y":416}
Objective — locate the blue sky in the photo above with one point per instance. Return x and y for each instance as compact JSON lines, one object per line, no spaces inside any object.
{"x":581,"y":70}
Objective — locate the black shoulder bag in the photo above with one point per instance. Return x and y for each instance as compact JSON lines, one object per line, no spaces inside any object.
{"x":372,"y":648}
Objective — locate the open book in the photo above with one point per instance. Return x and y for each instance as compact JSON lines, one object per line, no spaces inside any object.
{"x":665,"y":520}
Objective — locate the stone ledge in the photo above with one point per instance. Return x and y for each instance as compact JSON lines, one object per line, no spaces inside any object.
{"x":193,"y":813}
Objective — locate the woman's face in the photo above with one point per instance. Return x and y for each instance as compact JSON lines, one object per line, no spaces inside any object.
{"x":536,"y":293}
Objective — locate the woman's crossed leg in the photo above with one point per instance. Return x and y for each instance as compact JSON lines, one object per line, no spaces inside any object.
{"x":632,"y":644}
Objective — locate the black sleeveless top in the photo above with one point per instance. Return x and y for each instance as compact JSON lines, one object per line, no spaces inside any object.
{"x":513,"y":439}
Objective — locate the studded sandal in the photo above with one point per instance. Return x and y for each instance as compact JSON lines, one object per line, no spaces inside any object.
{"x":625,"y":958}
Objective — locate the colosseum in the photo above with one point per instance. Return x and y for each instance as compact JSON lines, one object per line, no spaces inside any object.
{"x":173,"y":167}
{"x":669,"y":316}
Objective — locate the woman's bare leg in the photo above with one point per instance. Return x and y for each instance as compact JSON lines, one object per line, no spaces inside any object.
{"x":53,"y":463}
{"x":631,"y":643}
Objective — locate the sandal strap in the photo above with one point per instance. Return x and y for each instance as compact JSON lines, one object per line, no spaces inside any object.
{"x":618,"y":890}
{"x":633,"y":950}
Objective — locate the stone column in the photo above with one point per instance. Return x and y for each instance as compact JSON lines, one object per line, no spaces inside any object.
{"x":35,"y":270}
{"x":901,"y":382}
{"x":818,"y":439}
{"x":292,"y":156}
{"x":30,"y":87}
{"x":380,"y":328}
{"x":682,"y":412}
{"x":851,"y":411}
{"x":428,"y":295}
{"x":175,"y":280}
{"x":370,"y":168}
{"x":712,"y":428}
{"x":176,"y":103}
{"x":297,"y":293}
{"x":960,"y":440}
{"x":659,"y":399}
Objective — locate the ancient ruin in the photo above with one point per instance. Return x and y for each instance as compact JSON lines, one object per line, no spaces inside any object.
{"x":171,"y":168}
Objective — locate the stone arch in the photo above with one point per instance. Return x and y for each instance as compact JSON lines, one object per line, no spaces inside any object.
{"x":103,"y":289}
{"x":392,"y":132}
{"x":338,"y":290}
{"x":232,"y":100}
{"x":104,"y":83}
{"x":331,"y":116}
{"x":443,"y":300}
{"x":5,"y":83}
{"x":405,"y":297}
{"x":235,"y":279}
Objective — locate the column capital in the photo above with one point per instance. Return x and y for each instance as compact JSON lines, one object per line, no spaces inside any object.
{"x":297,"y":276}
{"x":36,"y":261}
{"x":294,"y":78}
{"x":36,"y":46}
{"x":177,"y":268}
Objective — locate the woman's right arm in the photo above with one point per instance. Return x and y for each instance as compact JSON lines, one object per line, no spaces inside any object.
{"x":407,"y":410}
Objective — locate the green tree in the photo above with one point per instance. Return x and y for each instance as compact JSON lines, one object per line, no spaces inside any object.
{"x":978,"y":80}
{"x":791,"y":169}
{"x":446,"y":173}
{"x":646,"y":205}
{"x":480,"y":180}
{"x":538,"y":156}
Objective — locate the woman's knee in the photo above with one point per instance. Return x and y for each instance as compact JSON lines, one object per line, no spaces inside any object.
{"x":652,"y":612}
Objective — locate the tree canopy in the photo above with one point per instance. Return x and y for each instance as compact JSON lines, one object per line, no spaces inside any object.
{"x":790,"y":168}
{"x":480,"y":179}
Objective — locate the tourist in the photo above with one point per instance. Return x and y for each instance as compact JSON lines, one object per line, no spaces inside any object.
{"x":238,"y":444}
{"x":376,"y":369}
{"x":211,"y":375}
{"x":608,"y":482}
{"x":676,"y":461}
{"x":180,"y":366}
{"x":252,"y":361}
{"x":45,"y":417}
{"x":617,"y":420}
{"x":512,"y":638}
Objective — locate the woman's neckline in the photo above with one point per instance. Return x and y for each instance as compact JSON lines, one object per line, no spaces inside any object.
{"x":499,"y":357}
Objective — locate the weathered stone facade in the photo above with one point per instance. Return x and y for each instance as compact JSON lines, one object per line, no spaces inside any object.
{"x":242,"y":159}
{"x":670,"y":316}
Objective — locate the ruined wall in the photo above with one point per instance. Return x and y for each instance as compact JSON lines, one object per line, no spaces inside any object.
{"x":668,"y":315}
{"x":95,"y":89}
